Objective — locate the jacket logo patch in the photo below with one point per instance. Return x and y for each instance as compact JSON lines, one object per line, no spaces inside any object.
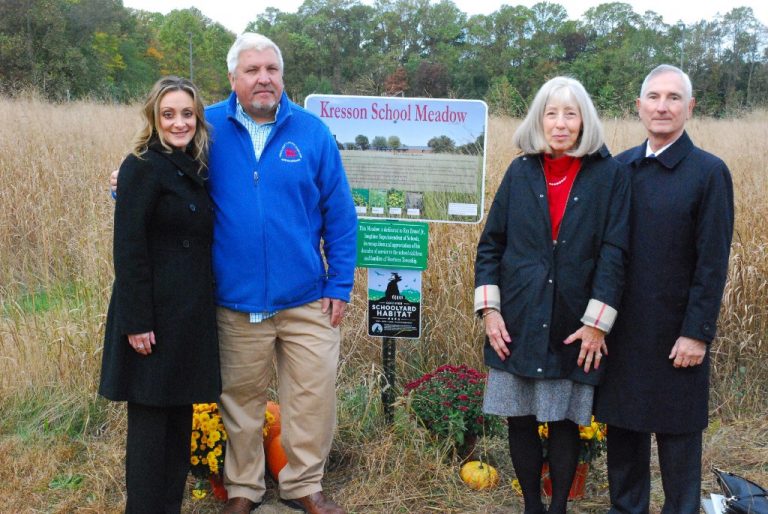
{"x":290,"y":152}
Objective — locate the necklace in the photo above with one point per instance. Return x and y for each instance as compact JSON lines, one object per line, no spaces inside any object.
{"x":557,"y":182}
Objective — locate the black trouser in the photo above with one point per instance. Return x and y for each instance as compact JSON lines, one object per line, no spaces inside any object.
{"x":157,"y":458}
{"x":629,"y":475}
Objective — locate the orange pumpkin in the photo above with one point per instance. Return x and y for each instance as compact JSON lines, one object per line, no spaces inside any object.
{"x":271,"y":428}
{"x":275,"y":456}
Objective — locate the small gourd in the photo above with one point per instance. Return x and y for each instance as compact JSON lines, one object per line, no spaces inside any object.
{"x":479,"y":475}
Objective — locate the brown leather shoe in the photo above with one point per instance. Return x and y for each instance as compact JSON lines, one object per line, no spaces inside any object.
{"x":315,"y":503}
{"x":239,"y":505}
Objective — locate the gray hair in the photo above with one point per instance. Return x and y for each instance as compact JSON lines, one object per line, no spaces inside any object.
{"x":530,"y":137}
{"x":251,"y":41}
{"x":668,"y":68}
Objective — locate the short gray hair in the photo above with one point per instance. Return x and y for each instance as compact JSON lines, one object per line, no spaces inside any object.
{"x":530,"y":137}
{"x":668,"y":68}
{"x":251,"y":41}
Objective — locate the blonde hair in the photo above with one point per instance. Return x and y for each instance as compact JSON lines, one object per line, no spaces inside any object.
{"x":150,"y":129}
{"x":530,"y":137}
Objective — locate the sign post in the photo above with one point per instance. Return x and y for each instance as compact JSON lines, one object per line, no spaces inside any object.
{"x":395,"y":253}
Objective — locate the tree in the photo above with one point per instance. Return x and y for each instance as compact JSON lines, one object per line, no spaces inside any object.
{"x":379,"y":143}
{"x":442,"y":144}
{"x":394,"y":142}
{"x":362,"y":142}
{"x":397,"y":82}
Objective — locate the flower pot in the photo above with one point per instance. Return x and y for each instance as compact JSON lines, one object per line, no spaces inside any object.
{"x":217,"y":487}
{"x":577,"y":487}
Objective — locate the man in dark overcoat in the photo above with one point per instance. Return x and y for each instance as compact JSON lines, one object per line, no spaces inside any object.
{"x":657,"y":377}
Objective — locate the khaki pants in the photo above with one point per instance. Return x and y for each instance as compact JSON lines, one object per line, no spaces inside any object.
{"x":306,"y":349}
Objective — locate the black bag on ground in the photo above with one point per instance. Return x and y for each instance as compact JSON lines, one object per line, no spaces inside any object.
{"x":742,"y":496}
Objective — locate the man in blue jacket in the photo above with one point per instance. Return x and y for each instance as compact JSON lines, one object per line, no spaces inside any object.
{"x":657,"y":376}
{"x":280,"y":194}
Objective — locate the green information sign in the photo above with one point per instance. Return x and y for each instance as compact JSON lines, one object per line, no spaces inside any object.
{"x":392,"y":244}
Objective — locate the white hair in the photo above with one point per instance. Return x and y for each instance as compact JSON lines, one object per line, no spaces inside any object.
{"x":530,"y":136}
{"x":668,"y":68}
{"x":251,"y":41}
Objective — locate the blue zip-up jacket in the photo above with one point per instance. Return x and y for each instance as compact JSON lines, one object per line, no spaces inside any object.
{"x":272,"y":214}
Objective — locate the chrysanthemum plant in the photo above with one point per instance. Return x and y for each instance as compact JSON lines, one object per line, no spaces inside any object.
{"x":592,"y":440}
{"x":208,"y":440}
{"x":449,"y":402}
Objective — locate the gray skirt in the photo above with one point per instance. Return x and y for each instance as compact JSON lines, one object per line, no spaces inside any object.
{"x":553,"y":399}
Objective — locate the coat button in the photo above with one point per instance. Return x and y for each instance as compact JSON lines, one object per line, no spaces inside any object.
{"x":575,"y":198}
{"x":192,"y":207}
{"x":180,"y":173}
{"x":541,"y":196}
{"x":550,"y":280}
{"x":185,"y":243}
{"x":539,"y":370}
{"x":544,"y":325}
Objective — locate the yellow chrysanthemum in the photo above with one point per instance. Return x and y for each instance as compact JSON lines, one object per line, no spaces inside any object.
{"x":586,"y":433}
{"x":515,"y":483}
{"x":194,"y":460}
{"x":199,"y":494}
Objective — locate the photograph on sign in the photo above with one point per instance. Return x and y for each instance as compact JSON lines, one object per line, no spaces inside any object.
{"x":394,"y":303}
{"x":410,"y":158}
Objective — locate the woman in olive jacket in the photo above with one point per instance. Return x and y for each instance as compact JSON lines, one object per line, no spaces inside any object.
{"x":549,"y":274}
{"x":161,"y":347}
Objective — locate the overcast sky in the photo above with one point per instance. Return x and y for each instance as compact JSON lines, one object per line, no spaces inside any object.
{"x":235,"y":15}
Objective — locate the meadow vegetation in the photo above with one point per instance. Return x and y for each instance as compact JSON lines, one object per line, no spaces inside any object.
{"x":62,"y":445}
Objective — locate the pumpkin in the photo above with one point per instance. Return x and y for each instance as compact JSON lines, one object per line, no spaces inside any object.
{"x":479,"y":475}
{"x":275,"y":456}
{"x":271,"y":422}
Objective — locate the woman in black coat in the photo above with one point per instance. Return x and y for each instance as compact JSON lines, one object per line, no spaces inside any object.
{"x":161,"y":347}
{"x":548,"y":276}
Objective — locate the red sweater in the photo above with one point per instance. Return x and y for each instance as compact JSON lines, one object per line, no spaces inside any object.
{"x":559,"y":174}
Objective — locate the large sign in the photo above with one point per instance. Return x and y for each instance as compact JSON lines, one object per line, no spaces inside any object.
{"x":394,"y":303}
{"x":392,"y":244}
{"x":410,"y":158}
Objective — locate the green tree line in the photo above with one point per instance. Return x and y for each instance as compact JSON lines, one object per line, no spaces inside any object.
{"x":68,"y":49}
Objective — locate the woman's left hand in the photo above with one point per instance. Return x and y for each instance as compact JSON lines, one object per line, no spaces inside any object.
{"x":593,"y":346}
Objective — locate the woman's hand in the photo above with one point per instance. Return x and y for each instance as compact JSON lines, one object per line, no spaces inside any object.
{"x":497,"y":333}
{"x":592,"y":346}
{"x":142,"y":343}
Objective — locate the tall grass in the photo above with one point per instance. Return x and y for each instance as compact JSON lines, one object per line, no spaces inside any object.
{"x":55,"y":278}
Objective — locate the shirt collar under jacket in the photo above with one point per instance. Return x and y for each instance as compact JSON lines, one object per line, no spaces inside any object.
{"x":649,"y":152}
{"x":259,"y":132}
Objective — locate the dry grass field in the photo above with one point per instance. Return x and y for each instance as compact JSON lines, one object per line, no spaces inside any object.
{"x":62,"y":446}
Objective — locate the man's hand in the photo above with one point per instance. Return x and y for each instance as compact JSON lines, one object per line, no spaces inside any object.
{"x":593,"y":346}
{"x":336,"y":307}
{"x":496,"y":330}
{"x":113,"y":181}
{"x":688,"y":352}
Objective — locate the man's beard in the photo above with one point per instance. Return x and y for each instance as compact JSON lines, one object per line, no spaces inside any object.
{"x":264,"y":107}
